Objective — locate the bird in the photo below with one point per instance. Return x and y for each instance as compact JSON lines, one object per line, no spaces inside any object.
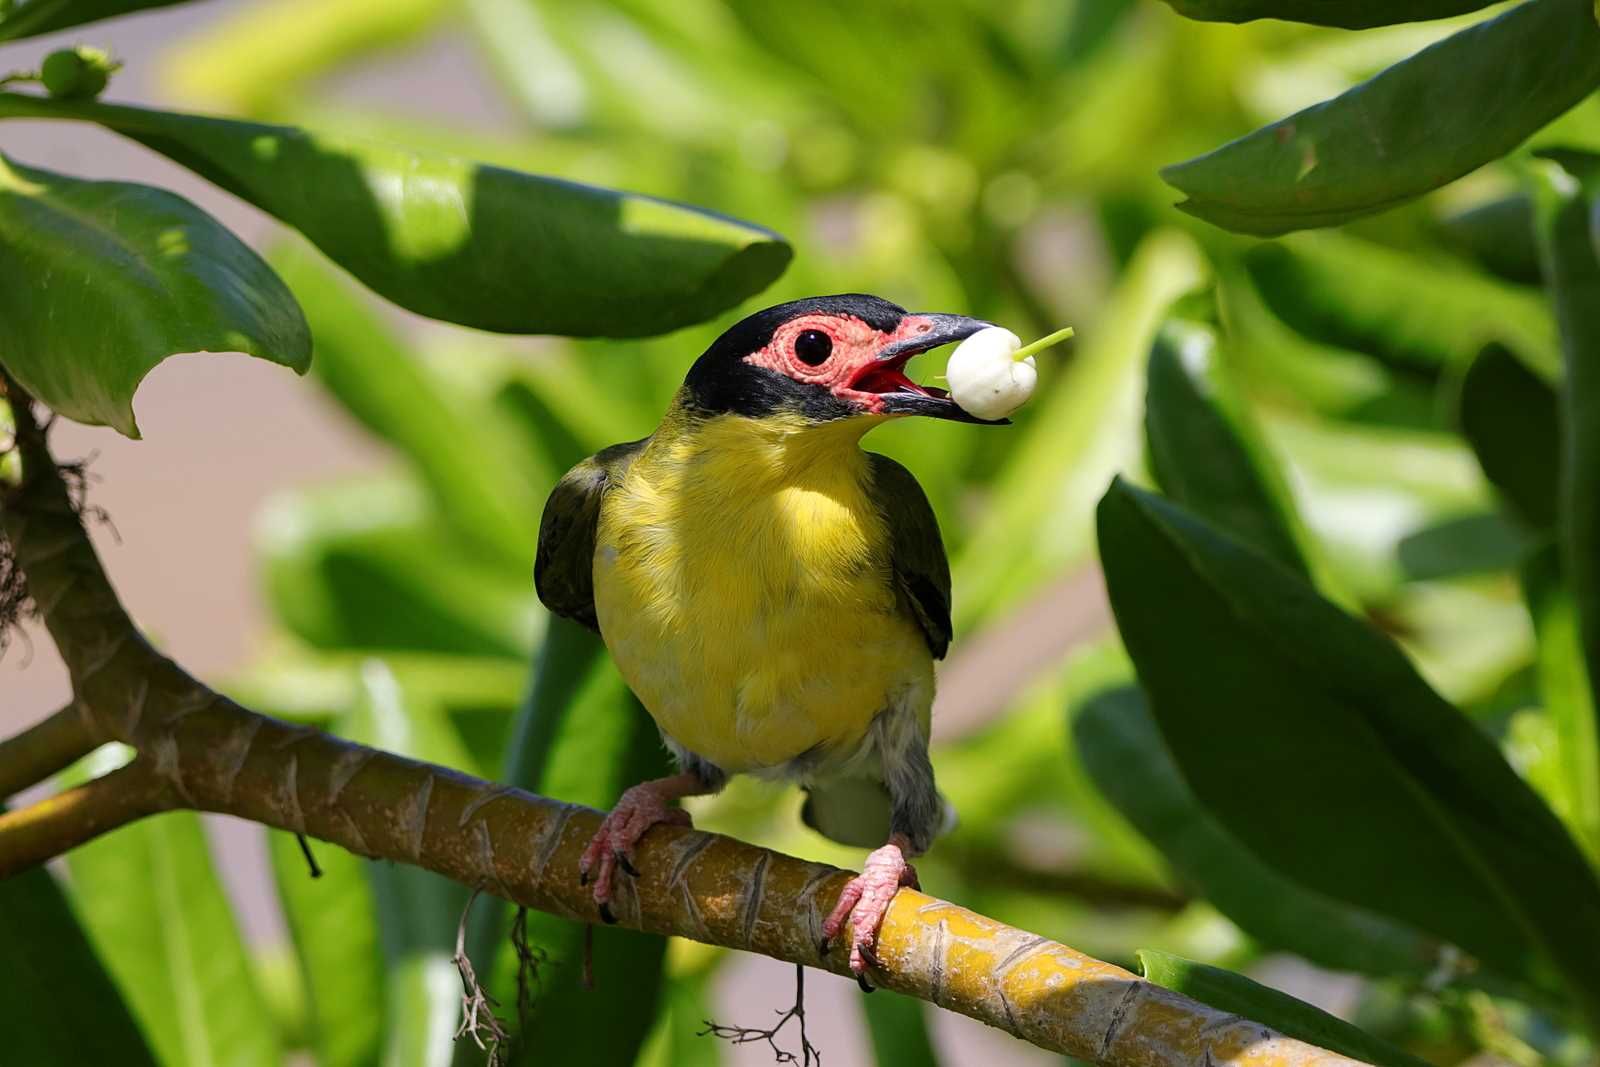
{"x":773,"y":594}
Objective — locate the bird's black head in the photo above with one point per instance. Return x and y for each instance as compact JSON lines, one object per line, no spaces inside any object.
{"x":826,"y":358}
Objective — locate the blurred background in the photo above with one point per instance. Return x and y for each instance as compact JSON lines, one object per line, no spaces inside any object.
{"x":299,"y":544}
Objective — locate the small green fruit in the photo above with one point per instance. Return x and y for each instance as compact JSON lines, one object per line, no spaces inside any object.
{"x":79,"y":73}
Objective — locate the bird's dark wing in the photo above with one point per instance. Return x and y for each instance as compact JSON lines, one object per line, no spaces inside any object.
{"x":921,"y":571}
{"x":563,"y":573}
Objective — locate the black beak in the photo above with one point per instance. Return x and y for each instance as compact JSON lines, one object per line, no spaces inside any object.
{"x":908,"y":398}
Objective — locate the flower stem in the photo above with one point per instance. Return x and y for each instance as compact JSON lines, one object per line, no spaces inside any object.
{"x":1043,"y":343}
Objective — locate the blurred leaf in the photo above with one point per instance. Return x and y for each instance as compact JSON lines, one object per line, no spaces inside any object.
{"x":1418,"y":125}
{"x":29,"y":18}
{"x":1205,"y":452}
{"x":1464,"y":545}
{"x":455,"y":240}
{"x":1512,"y":418}
{"x":1376,"y":791}
{"x":1083,"y":429}
{"x":57,"y":1004}
{"x":1397,"y":305}
{"x":1567,"y":698}
{"x":686,"y":1005}
{"x":1566,"y":194}
{"x":251,"y":56}
{"x":898,"y":1026}
{"x":1349,"y":14}
{"x":1238,"y":995}
{"x":1117,"y":740}
{"x":333,"y":923}
{"x":150,"y":900}
{"x":362,"y":566}
{"x":1499,"y":235}
{"x":101,"y":281}
{"x":455,"y":450}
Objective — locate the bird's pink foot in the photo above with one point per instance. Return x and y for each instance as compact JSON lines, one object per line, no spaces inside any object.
{"x":864,"y":903}
{"x":640,"y":808}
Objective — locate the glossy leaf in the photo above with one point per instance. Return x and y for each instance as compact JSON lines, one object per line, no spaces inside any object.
{"x":1565,"y":201}
{"x":1348,"y":14}
{"x":1238,"y":995}
{"x":1416,"y":126}
{"x":1402,"y":307}
{"x":151,"y":902}
{"x":57,"y":1004}
{"x":1204,"y":450}
{"x":365,"y":567}
{"x":1567,"y":698}
{"x":454,"y":449}
{"x":1512,"y":418}
{"x":29,"y":18}
{"x":1310,"y":736}
{"x":1117,"y":740}
{"x":101,"y":281}
{"x":467,"y":243}
{"x":333,"y":923}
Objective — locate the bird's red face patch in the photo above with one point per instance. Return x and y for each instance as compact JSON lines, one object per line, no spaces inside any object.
{"x":844,"y":355}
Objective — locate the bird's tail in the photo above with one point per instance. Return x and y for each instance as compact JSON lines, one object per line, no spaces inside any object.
{"x":855,"y":811}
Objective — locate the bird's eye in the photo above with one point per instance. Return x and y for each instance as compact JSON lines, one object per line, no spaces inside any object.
{"x":813,"y":347}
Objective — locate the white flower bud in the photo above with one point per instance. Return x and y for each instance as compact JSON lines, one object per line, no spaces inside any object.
{"x":986,"y":379}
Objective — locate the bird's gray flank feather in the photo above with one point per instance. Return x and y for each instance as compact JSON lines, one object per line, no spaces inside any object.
{"x":921,"y":570}
{"x":563,"y":572}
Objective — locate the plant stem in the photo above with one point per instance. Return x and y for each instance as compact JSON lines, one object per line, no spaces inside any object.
{"x":1043,"y":343}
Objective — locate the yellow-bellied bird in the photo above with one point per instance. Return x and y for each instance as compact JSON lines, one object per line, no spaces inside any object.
{"x":774,"y":595}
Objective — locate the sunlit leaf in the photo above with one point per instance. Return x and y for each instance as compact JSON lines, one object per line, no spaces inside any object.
{"x":455,"y":240}
{"x":1349,"y":14}
{"x":29,"y":18}
{"x":1418,"y":125}
{"x":101,"y":281}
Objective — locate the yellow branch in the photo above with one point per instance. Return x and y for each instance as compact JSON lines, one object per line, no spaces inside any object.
{"x":200,"y":750}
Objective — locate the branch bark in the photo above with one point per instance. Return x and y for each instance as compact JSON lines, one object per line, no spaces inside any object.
{"x":45,"y":748}
{"x":200,"y":750}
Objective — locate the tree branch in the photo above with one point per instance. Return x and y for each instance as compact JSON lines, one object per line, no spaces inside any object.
{"x":200,"y":750}
{"x":45,"y":748}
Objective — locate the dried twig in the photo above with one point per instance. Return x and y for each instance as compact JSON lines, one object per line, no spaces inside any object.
{"x":744,"y":1035}
{"x":477,"y":1007}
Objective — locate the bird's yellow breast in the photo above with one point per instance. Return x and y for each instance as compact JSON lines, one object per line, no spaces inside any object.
{"x":743,"y":586}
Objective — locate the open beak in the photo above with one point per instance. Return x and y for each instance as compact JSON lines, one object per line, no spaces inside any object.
{"x":885,"y":375}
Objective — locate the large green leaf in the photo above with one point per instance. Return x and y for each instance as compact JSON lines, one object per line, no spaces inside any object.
{"x":57,"y":1004}
{"x":155,"y":911}
{"x":1567,"y":699}
{"x":364,"y":566}
{"x":454,"y":449}
{"x":1238,"y":995}
{"x":333,"y":922}
{"x":1310,"y":736}
{"x":455,"y":240}
{"x":29,"y":18}
{"x":1205,"y":451}
{"x":1422,"y":123}
{"x":1349,"y":14}
{"x":1512,"y":418}
{"x":1412,"y":310}
{"x":1117,"y":740}
{"x":100,"y":281}
{"x":1565,"y":202}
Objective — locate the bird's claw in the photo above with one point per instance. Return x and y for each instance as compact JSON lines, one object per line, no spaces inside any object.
{"x":611,"y":848}
{"x":864,"y":902}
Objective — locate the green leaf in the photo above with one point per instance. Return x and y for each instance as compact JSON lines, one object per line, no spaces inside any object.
{"x":1567,"y":698}
{"x":1310,"y":736}
{"x":333,"y":922}
{"x":1348,"y":14}
{"x":1120,"y":746}
{"x":460,"y":241}
{"x":1411,"y":310}
{"x":1512,"y":418}
{"x":1418,"y":125}
{"x":1238,"y":995}
{"x":1565,"y":202}
{"x":57,"y":1004}
{"x":29,"y":18}
{"x":1204,"y":450}
{"x":101,"y":281}
{"x":365,"y":566}
{"x":454,"y":448}
{"x":898,"y":1026}
{"x":154,"y":909}
{"x":1499,"y":235}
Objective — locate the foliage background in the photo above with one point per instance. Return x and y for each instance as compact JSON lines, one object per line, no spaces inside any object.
{"x":1012,"y":176}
